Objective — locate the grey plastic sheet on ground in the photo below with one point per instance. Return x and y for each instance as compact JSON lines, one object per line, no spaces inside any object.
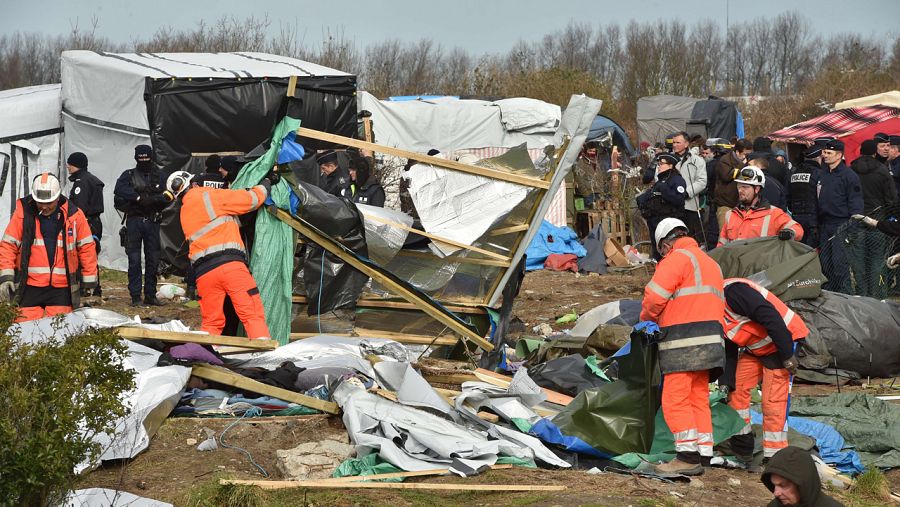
{"x":422,"y":437}
{"x":103,"y":497}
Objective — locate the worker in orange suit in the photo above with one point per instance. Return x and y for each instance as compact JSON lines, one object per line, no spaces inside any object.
{"x":45,"y":226}
{"x":217,"y":253}
{"x":685,"y":299}
{"x":760,"y":333}
{"x":754,"y":217}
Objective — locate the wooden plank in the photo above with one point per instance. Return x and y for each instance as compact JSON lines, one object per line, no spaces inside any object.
{"x":421,"y":157}
{"x":220,"y":153}
{"x":450,"y":395}
{"x":292,"y":86}
{"x":500,"y":380}
{"x":439,"y":239}
{"x":401,"y":475}
{"x":409,"y":339}
{"x":325,"y":484}
{"x":509,"y":230}
{"x":455,"y":378}
{"x":367,"y":129}
{"x":399,"y":305}
{"x":138,"y":333}
{"x":230,"y":378}
{"x":395,"y":288}
{"x":455,"y":258}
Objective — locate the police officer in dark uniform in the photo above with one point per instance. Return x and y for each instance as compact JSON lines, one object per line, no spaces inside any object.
{"x":141,"y":195}
{"x":333,"y":178}
{"x":894,"y":161}
{"x":803,"y":203}
{"x":665,"y":199}
{"x":840,"y":197}
{"x":213,"y":177}
{"x":366,"y":189}
{"x":87,"y":193}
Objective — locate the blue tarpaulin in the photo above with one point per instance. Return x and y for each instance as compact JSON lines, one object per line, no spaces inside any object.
{"x":832,"y":448}
{"x":551,"y":239}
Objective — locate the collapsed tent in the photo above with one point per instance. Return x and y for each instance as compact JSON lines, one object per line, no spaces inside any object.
{"x":29,"y":141}
{"x":661,"y":115}
{"x":852,"y":126}
{"x":187,"y":106}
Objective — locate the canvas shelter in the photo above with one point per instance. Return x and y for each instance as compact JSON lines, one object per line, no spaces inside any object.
{"x":891,"y":98}
{"x":29,"y":141}
{"x":603,"y":126}
{"x":661,"y":115}
{"x":187,"y":106}
{"x":852,"y":126}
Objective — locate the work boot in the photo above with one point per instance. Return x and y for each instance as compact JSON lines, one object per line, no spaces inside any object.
{"x":136,"y":301}
{"x":676,"y":466}
{"x":191,"y":293}
{"x":152,"y":301}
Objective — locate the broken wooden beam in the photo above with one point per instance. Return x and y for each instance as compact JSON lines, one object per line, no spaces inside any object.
{"x":398,"y":305}
{"x":230,"y":378}
{"x":141,"y":333}
{"x":324,"y":484}
{"x":408,"y":339}
{"x":493,"y":174}
{"x":440,"y":239}
{"x":501,"y":380}
{"x":402,"y":289}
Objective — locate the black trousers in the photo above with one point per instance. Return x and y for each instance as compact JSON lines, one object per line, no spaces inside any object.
{"x":142,"y":232}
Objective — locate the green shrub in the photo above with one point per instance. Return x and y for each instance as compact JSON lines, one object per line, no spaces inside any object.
{"x":55,"y":397}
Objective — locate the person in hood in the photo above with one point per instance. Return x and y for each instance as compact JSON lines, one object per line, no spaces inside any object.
{"x":141,"y":194}
{"x":365,"y":186}
{"x":869,"y":248}
{"x":792,"y":477}
{"x":213,"y":177}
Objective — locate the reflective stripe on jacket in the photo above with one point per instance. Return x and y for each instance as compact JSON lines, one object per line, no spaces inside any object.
{"x":685,"y":298}
{"x":753,"y":335}
{"x":75,"y":242}
{"x":208,"y":218}
{"x":757,"y":223}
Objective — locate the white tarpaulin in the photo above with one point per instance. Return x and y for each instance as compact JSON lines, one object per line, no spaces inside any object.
{"x":30,"y":124}
{"x":105,"y":111}
{"x":102,"y":497}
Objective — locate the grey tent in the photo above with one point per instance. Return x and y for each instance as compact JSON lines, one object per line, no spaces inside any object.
{"x":661,"y":115}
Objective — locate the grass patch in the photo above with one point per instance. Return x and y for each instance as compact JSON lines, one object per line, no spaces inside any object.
{"x":113,"y":276}
{"x":870,"y":486}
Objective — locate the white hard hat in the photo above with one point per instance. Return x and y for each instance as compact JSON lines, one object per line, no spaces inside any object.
{"x":751,"y":175}
{"x":45,"y":188}
{"x":178,"y":181}
{"x":666,"y":227}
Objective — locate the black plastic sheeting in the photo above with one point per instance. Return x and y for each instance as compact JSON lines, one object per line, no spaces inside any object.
{"x":569,"y":375}
{"x":861,"y":334}
{"x":618,"y":417}
{"x":340,"y":284}
{"x":719,"y":116}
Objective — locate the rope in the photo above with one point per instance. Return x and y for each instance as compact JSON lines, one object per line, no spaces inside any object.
{"x":253,"y":412}
{"x":321,"y":288}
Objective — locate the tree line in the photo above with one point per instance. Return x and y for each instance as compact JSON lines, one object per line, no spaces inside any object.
{"x":782,"y":58}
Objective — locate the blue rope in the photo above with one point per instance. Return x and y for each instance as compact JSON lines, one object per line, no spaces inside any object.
{"x":252,"y":412}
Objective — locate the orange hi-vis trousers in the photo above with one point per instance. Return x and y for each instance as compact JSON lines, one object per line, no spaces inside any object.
{"x":685,"y":407}
{"x":27,"y":313}
{"x":234,"y":280}
{"x":775,"y":389}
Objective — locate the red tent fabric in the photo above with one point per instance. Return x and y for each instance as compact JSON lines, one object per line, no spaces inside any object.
{"x":852,"y":126}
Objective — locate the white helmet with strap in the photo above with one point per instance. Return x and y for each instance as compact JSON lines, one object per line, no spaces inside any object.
{"x":751,"y":175}
{"x":178,"y":182}
{"x":666,"y":227}
{"x":45,"y":188}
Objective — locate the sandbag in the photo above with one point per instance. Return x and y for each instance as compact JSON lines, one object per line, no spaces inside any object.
{"x":862,"y":334}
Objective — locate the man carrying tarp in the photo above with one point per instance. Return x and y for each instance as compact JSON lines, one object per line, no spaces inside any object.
{"x":685,"y":298}
{"x":760,"y":331}
{"x":47,"y":242}
{"x":754,"y":217}
{"x":217,"y":253}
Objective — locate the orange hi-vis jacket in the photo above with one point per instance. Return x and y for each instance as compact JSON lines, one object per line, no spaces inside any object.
{"x":685,"y":298}
{"x":75,"y":249}
{"x":752,"y":335}
{"x":756,"y":222}
{"x":209,"y":219}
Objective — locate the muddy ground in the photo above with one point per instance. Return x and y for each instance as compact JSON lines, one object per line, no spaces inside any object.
{"x":171,"y":469}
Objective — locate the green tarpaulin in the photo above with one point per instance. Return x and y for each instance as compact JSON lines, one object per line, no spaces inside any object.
{"x":272,"y":259}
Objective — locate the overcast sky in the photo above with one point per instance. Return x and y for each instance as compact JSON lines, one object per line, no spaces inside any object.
{"x":480,"y":26}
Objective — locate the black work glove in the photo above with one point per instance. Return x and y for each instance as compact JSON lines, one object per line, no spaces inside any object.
{"x":273,"y":177}
{"x":266,"y":184}
{"x":785,"y":234}
{"x":724,"y":389}
{"x":791,"y":365}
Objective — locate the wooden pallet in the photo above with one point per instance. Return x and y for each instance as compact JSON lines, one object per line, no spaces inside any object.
{"x":613,"y":222}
